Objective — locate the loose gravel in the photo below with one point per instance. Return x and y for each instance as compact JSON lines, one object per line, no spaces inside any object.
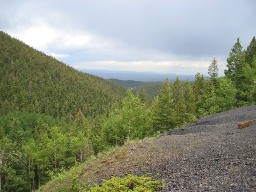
{"x":209,"y":155}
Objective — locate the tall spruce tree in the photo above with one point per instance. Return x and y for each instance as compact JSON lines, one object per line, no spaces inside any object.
{"x":163,"y":109}
{"x":234,"y":61}
{"x":245,"y":79}
{"x":209,"y":100}
{"x":226,"y":94}
{"x":190,"y":104}
{"x":179,"y":101}
{"x":141,"y":93}
{"x":199,"y":88}
{"x":213,"y":71}
{"x":250,"y":51}
{"x":250,"y":75}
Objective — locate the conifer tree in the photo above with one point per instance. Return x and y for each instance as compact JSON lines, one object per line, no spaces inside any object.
{"x":179,"y":101}
{"x":226,"y":93}
{"x":213,"y":71}
{"x":190,"y":104}
{"x":250,"y":75}
{"x":234,"y":61}
{"x":209,"y":100}
{"x":199,"y":88}
{"x":250,"y":51}
{"x":209,"y":97}
{"x":249,"y":72}
{"x":142,"y":95}
{"x":163,"y":109}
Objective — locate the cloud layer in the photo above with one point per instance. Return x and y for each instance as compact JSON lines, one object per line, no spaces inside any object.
{"x":178,"y":35}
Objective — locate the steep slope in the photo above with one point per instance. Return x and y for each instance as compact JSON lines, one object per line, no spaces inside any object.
{"x":210,"y":155}
{"x":32,"y":81}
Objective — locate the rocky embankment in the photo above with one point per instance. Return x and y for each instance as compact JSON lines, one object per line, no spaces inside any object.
{"x":209,"y":155}
{"x":224,"y":159}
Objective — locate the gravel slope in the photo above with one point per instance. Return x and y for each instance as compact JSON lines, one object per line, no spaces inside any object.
{"x":210,"y":155}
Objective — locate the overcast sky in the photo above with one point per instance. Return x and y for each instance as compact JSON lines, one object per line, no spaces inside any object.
{"x":165,"y":36}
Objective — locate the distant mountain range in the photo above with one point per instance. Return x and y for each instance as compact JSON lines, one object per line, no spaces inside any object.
{"x":137,"y":76}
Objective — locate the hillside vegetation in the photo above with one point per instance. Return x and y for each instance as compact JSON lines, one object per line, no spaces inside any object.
{"x":209,"y":155}
{"x":43,"y":104}
{"x":34,"y":82}
{"x":54,"y":118}
{"x":205,"y":148}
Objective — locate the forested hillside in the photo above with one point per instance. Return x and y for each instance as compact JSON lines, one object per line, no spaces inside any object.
{"x":176,"y":104}
{"x":47,"y":112}
{"x":34,"y":82}
{"x":54,"y":117}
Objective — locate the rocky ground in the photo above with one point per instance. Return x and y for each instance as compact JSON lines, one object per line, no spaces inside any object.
{"x":209,"y":155}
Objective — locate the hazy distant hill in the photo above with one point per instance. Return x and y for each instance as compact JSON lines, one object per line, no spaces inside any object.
{"x":150,"y":82}
{"x":151,"y":88}
{"x":129,"y":83}
{"x":137,"y":76}
{"x":32,"y":81}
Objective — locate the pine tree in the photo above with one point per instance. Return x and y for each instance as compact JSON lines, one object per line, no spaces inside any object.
{"x":249,"y":72}
{"x":141,"y":93}
{"x":250,"y":75}
{"x":237,"y":61}
{"x":234,"y":61}
{"x":190,"y":104}
{"x":179,"y":101}
{"x":199,"y":88}
{"x":213,"y":71}
{"x":209,"y":100}
{"x":250,"y":51}
{"x":226,"y":94}
{"x":163,"y":109}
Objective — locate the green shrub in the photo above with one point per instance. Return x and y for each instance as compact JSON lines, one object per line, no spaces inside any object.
{"x":128,"y":183}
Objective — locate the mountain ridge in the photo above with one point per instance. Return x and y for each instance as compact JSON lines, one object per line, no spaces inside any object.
{"x":33,"y":81}
{"x":138,"y":76}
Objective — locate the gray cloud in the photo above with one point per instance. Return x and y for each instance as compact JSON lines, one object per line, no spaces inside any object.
{"x":140,"y":29}
{"x":179,"y":27}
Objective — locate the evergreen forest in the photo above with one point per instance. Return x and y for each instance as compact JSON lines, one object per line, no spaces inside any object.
{"x":53,"y":117}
